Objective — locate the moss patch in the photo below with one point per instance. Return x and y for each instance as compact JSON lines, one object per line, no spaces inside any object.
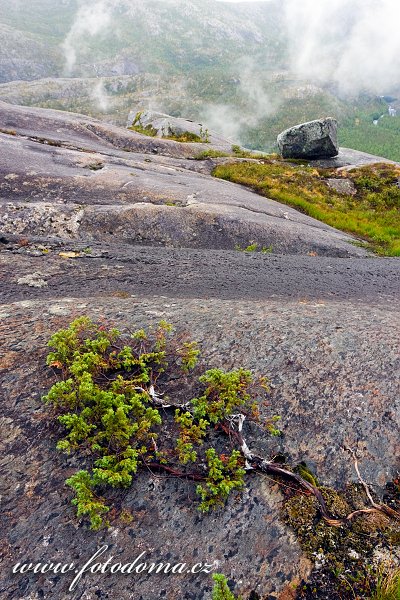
{"x":147,"y":130}
{"x":344,"y":557}
{"x":186,"y":136}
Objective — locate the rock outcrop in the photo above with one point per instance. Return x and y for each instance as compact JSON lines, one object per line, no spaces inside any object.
{"x":72,"y":177}
{"x":167,"y":126}
{"x":333,"y":368}
{"x":313,"y":140}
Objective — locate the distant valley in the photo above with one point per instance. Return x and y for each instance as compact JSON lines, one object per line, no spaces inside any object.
{"x":230,"y":69}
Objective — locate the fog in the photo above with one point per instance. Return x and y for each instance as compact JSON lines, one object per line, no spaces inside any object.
{"x":229,"y":120}
{"x":91,"y":19}
{"x":352,"y":44}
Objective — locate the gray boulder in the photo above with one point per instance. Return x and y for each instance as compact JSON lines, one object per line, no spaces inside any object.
{"x":342,"y":185}
{"x":316,"y":139}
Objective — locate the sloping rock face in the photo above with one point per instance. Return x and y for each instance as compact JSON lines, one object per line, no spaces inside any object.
{"x":167,"y":126}
{"x":101,"y":221}
{"x":314,"y":140}
{"x":72,"y":177}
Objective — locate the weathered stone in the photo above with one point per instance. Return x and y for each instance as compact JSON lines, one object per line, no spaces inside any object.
{"x":325,"y":341}
{"x":32,"y":280}
{"x":166,"y":126}
{"x":342,"y":185}
{"x":315,"y":139}
{"x":155,"y":201}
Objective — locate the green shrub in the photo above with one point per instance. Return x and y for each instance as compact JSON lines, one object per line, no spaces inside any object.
{"x":225,"y":473}
{"x":221,"y":590}
{"x":107,"y":403}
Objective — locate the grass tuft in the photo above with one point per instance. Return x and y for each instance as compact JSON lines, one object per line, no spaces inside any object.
{"x":388,"y":586}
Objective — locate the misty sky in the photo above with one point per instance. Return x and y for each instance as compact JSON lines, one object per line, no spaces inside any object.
{"x":354,"y":44}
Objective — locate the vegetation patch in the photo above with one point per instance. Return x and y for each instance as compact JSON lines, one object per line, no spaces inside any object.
{"x":144,"y":130}
{"x":188,"y":136}
{"x":372,"y":213}
{"x":388,"y":584}
{"x":371,"y":129}
{"x":212,"y":154}
{"x":236,"y":152}
{"x":96,"y":165}
{"x":254,"y":247}
{"x":240,"y":152}
{"x":221,"y":589}
{"x":107,"y":401}
{"x":8,"y":131}
{"x":137,"y":401}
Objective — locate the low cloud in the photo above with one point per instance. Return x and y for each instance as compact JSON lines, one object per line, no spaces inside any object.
{"x":90,"y":21}
{"x":228,"y":120}
{"x":353,"y":44}
{"x":100,"y":97}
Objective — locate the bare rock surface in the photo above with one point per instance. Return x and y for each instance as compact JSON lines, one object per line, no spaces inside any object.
{"x":87,"y":227}
{"x":348,"y":159}
{"x":65,"y":175}
{"x":329,"y":365}
{"x":48,"y":269}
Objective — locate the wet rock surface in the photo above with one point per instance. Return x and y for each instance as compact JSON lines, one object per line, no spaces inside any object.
{"x":134,"y":237}
{"x":53,"y":269}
